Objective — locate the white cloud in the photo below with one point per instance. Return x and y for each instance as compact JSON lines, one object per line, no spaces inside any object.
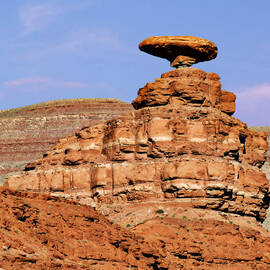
{"x":256,"y":92}
{"x":252,"y":105}
{"x":40,"y":83}
{"x":93,"y":40}
{"x":36,"y":16}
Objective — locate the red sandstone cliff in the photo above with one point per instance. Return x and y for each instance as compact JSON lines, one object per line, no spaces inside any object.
{"x":28,"y":132}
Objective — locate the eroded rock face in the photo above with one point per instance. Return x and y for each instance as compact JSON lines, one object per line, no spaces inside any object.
{"x":26,"y":133}
{"x":38,"y":231}
{"x":266,"y":168}
{"x":179,"y":146}
{"x":43,"y":232}
{"x":186,"y":87}
{"x":180,"y":50}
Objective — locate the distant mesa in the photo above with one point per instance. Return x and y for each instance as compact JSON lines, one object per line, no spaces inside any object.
{"x":180,"y":50}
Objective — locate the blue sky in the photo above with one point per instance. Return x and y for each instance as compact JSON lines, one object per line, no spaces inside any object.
{"x":57,"y":49}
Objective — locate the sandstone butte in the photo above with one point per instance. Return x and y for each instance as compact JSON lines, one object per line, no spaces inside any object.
{"x":28,"y":132}
{"x":179,"y":172}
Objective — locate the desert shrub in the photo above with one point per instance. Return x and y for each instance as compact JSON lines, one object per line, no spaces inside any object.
{"x":160,"y":211}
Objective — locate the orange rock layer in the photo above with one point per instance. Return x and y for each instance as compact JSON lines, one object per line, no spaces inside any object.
{"x":43,"y":232}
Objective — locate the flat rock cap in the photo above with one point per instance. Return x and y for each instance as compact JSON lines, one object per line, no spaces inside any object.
{"x":180,"y":50}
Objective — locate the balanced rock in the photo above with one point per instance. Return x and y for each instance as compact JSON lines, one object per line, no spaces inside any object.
{"x":178,"y":170}
{"x":180,"y":50}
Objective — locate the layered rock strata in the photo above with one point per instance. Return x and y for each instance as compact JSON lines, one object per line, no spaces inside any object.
{"x":28,"y":132}
{"x":266,"y":168}
{"x":266,"y":165}
{"x":180,"y":145}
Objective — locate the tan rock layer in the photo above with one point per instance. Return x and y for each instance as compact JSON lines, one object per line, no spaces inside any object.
{"x":26,"y":133}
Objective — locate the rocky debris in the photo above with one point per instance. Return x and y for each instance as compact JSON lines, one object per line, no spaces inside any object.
{"x":180,"y":50}
{"x":38,"y":231}
{"x":208,"y":244}
{"x":178,"y":146}
{"x":28,"y":132}
{"x":43,"y":232}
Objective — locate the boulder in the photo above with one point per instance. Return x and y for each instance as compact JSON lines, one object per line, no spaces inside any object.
{"x":180,"y":50}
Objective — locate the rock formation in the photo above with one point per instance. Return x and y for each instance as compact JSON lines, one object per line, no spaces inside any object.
{"x":28,"y":132}
{"x":266,"y":168}
{"x":180,"y":50}
{"x":179,"y":145}
{"x":179,"y":166}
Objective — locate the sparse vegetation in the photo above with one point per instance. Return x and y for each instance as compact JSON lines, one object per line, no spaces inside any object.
{"x":261,"y":128}
{"x":160,"y":211}
{"x":141,"y":223}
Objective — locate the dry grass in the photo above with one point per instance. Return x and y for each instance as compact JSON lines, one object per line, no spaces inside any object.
{"x":20,"y":110}
{"x":261,"y":128}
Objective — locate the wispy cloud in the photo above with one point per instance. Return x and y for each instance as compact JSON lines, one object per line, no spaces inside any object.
{"x":94,"y":38}
{"x":36,"y":16}
{"x":40,"y":83}
{"x":83,"y":42}
{"x":256,"y":92}
{"x":252,"y":104}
